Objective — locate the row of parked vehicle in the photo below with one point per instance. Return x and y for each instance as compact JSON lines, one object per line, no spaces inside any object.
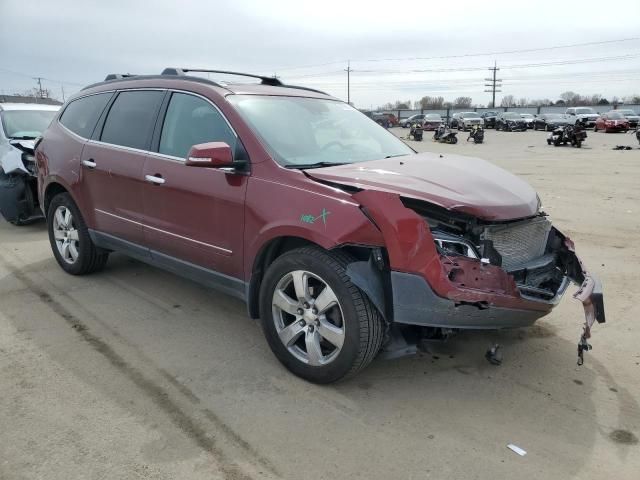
{"x":615,"y":120}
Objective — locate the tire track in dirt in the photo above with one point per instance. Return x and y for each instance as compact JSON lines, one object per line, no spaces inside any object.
{"x":158,"y":395}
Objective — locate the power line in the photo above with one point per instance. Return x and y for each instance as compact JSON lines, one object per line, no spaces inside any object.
{"x":467,"y":55}
{"x":21,"y":74}
{"x":475,"y":69}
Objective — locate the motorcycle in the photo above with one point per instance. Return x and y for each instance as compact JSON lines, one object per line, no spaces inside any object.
{"x":416,"y":132}
{"x":574,"y":134}
{"x":445,"y":135}
{"x":477,"y":134}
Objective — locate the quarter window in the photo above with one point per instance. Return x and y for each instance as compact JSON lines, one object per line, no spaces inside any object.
{"x":189,"y":121}
{"x":131,"y":118}
{"x":82,"y":114}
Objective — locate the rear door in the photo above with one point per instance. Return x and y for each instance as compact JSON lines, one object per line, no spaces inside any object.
{"x":194,"y":214}
{"x":113,"y":160}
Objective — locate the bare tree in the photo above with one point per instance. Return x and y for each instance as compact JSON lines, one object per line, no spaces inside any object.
{"x":462,"y":102}
{"x":523,"y":102}
{"x":508,"y":101}
{"x":570,"y":98}
{"x":433,"y":103}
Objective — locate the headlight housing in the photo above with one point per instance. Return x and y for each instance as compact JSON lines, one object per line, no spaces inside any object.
{"x":448,"y":244}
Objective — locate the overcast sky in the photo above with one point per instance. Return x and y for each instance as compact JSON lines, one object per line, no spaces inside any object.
{"x":77,"y":42}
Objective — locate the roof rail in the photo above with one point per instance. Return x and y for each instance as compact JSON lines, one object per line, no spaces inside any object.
{"x":273,"y":81}
{"x":118,"y":76}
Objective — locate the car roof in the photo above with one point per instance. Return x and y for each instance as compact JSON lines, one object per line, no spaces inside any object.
{"x":222,"y":88}
{"x":29,"y":106}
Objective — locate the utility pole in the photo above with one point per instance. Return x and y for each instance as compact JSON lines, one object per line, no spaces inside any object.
{"x":348,"y":70}
{"x":495,"y":84}
{"x":40,"y":92}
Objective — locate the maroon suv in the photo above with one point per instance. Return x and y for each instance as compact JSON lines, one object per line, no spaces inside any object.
{"x":341,"y":238}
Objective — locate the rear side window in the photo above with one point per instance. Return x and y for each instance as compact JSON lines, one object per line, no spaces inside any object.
{"x":82,"y":114}
{"x":189,"y":121}
{"x":131,"y":119}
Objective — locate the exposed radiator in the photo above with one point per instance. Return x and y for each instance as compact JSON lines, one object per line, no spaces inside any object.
{"x":519,"y":242}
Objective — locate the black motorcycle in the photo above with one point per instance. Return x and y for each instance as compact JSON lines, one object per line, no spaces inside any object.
{"x":416,"y":132}
{"x":477,"y":134}
{"x":445,"y":135}
{"x":574,"y":134}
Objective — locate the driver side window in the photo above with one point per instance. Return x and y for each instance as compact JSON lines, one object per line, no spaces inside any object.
{"x":191,"y":120}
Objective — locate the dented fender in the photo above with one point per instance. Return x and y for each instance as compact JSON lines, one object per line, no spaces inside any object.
{"x":411,"y":249}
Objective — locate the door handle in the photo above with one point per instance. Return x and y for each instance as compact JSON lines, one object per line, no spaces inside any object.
{"x":155,"y":179}
{"x":89,"y":163}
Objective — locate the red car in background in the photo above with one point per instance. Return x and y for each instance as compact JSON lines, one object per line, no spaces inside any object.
{"x":611,"y":122}
{"x":432,"y":121}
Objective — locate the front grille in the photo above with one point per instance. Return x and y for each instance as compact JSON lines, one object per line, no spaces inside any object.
{"x":520,"y":242}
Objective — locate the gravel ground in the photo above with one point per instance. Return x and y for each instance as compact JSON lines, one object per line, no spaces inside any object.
{"x":136,"y":373}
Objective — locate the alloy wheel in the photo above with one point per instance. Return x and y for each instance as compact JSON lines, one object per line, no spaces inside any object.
{"x":308,"y":318}
{"x":66,"y":234}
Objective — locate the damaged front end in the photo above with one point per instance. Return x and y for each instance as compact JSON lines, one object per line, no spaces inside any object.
{"x":452,"y":270}
{"x":18,"y":183}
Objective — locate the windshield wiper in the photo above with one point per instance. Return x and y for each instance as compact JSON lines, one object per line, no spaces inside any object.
{"x":397,"y":155}
{"x":23,"y":137}
{"x":304,"y":166}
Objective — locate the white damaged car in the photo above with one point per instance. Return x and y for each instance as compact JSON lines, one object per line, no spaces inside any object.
{"x":20,"y":125}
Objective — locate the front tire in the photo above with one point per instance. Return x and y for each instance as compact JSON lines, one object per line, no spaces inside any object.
{"x":317,"y":323}
{"x":69,"y":237}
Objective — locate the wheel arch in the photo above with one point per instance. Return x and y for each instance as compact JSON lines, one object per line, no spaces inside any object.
{"x":277,"y":246}
{"x":51,"y":190}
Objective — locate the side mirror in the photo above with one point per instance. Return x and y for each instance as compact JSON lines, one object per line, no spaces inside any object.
{"x":211,"y":155}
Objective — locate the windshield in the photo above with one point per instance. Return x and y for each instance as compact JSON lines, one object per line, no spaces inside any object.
{"x":470,"y":115}
{"x":306,"y":131}
{"x":553,"y":115}
{"x":512,"y":116}
{"x":432,"y":116}
{"x":615,"y":115}
{"x":26,"y":123}
{"x":584,"y":110}
{"x":627,"y":112}
{"x":526,"y":115}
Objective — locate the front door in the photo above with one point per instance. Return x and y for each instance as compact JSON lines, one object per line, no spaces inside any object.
{"x":194,"y":214}
{"x":113,"y":162}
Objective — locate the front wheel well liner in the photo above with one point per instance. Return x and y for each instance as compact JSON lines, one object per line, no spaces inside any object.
{"x":280,"y":245}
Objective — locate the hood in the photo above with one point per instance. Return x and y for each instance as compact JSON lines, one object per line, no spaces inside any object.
{"x":24,"y":145}
{"x":588,"y":115}
{"x":460,"y":184}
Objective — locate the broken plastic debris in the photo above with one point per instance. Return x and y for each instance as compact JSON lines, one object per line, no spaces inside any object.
{"x":517,"y":449}
{"x":494,"y":355}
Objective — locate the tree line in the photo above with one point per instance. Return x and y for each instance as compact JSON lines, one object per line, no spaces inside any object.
{"x":568,"y":98}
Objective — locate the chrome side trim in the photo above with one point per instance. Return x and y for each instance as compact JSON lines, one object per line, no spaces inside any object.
{"x":117,"y":147}
{"x":221,"y":249}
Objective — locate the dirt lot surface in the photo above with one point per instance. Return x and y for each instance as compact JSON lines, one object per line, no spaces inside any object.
{"x":136,"y":373}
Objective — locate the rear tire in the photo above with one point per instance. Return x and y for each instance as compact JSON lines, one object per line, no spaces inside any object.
{"x":296,"y":338}
{"x":72,"y":246}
